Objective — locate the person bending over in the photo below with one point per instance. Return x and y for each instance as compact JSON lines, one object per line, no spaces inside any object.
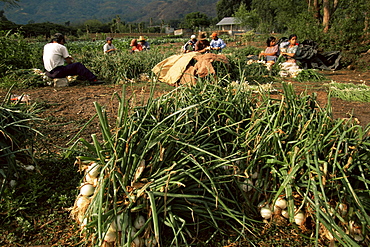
{"x":217,"y":43}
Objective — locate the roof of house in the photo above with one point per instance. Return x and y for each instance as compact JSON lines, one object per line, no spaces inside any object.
{"x":228,"y":21}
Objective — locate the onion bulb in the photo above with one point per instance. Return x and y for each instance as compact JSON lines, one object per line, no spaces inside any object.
{"x":87,"y":190}
{"x":343,"y":209}
{"x":254,"y":175}
{"x":246,"y":186}
{"x":285,"y":213}
{"x":299,"y":218}
{"x":139,"y":222}
{"x":137,"y":242}
{"x":358,"y":237}
{"x":82,"y":202}
{"x":117,"y":223}
{"x":266,"y":213}
{"x":110,"y":236}
{"x":150,"y":242}
{"x":281,"y":203}
{"x":93,"y":170}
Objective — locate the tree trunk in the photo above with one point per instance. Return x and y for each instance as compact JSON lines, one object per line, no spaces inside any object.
{"x":316,"y":9}
{"x":366,"y":23}
{"x":326,"y":17}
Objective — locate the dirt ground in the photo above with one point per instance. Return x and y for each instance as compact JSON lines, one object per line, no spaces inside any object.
{"x":67,"y":109}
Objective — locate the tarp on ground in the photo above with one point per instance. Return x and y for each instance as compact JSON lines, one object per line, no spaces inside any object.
{"x":179,"y":69}
{"x":310,"y":58}
{"x":172,"y":68}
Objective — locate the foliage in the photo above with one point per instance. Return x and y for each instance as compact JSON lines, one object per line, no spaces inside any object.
{"x":247,"y":18}
{"x":227,"y":8}
{"x":350,"y":91}
{"x":16,"y":130}
{"x":309,"y":75}
{"x":15,"y":53}
{"x":196,"y":19}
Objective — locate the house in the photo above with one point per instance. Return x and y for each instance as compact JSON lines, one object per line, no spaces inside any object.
{"x":183,"y":32}
{"x":231,"y":25}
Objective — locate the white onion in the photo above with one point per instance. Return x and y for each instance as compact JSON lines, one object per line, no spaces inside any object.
{"x":110,"y":236}
{"x":281,"y":203}
{"x":285,"y":213}
{"x":299,"y":218}
{"x":87,"y":190}
{"x":139,"y":222}
{"x":150,"y":242}
{"x":266,"y":213}
{"x":137,"y":242}
{"x":117,"y":223}
{"x":254,"y":175}
{"x":93,"y":170}
{"x":343,"y":209}
{"x":246,"y":186}
{"x":82,"y":201}
{"x":12,"y":183}
{"x":358,"y":237}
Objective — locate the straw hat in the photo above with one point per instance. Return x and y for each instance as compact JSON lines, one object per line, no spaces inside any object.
{"x":202,"y":36}
{"x":141,"y":38}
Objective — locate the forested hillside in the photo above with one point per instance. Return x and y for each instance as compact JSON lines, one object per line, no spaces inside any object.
{"x":129,"y":10}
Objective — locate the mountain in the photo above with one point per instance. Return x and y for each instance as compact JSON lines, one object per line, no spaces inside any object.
{"x":76,"y":11}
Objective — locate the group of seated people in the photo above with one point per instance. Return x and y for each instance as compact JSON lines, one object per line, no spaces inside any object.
{"x":202,"y":45}
{"x":136,"y":45}
{"x":286,"y":48}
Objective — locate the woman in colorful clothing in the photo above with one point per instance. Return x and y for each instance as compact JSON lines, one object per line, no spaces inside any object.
{"x":271,"y":52}
{"x":135,"y":46}
{"x":292,"y":49}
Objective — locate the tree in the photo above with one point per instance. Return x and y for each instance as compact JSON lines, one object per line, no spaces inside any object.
{"x":247,"y":18}
{"x":227,"y":8}
{"x":196,"y":19}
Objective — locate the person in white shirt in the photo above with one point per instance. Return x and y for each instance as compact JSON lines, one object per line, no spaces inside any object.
{"x":56,"y":54}
{"x":109,"y":47}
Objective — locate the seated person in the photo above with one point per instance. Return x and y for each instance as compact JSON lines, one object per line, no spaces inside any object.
{"x":291,"y":49}
{"x":202,"y":45}
{"x":144,"y":44}
{"x":190,"y":45}
{"x":135,"y":47}
{"x":55,"y":55}
{"x":271,"y":52}
{"x":217,"y":43}
{"x":109,"y":47}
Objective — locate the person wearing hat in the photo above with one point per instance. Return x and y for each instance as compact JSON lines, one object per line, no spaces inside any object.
{"x":144,"y":44}
{"x":55,"y":55}
{"x":190,"y":45}
{"x":217,"y":43}
{"x":202,"y":45}
{"x":109,"y":47}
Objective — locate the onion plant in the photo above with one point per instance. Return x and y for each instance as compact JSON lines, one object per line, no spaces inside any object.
{"x":199,"y":163}
{"x":16,"y":126}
